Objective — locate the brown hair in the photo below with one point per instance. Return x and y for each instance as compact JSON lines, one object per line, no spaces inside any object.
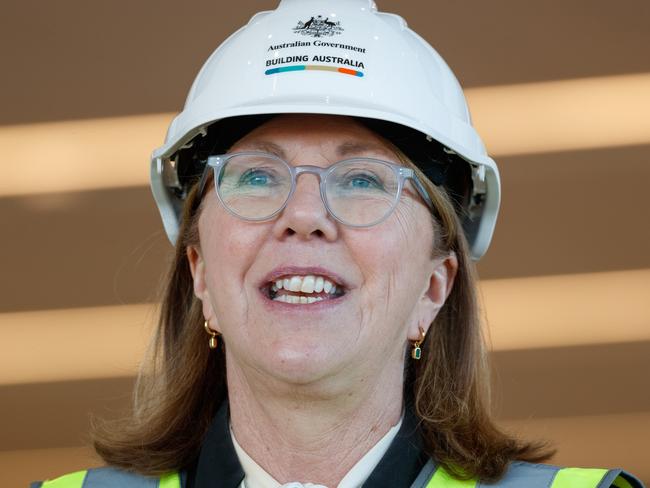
{"x":183,"y":383}
{"x":450,"y":390}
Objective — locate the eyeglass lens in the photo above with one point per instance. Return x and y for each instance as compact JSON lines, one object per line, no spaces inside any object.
{"x":358,"y":192}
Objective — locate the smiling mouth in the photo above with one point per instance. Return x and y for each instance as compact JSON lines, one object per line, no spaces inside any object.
{"x":303,"y":289}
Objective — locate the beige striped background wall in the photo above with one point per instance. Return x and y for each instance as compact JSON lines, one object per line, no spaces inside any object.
{"x":561,"y":93}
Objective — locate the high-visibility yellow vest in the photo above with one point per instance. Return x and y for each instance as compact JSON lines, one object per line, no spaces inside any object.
{"x":519,"y":475}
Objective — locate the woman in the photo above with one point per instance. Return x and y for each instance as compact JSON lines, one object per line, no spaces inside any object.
{"x":320,"y":325}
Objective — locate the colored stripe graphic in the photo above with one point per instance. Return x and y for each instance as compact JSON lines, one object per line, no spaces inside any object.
{"x":315,"y":67}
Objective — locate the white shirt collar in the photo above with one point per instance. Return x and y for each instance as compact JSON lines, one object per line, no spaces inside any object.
{"x":256,"y":477}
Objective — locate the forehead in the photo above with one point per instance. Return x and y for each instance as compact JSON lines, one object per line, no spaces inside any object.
{"x":332,"y":134}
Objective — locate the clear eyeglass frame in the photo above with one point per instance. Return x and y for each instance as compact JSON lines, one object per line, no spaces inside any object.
{"x":217,"y":162}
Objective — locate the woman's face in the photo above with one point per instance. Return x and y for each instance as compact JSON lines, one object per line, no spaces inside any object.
{"x":386,"y":280}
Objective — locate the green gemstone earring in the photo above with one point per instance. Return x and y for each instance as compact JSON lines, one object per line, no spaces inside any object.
{"x":416,"y":353}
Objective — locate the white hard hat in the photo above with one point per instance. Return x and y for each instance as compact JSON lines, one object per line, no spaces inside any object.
{"x":339,"y":57}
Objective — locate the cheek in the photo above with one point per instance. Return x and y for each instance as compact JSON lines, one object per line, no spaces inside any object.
{"x":229,"y":247}
{"x":394,"y":261}
{"x":402,"y":243}
{"x":413,"y":226}
{"x":415,"y":237}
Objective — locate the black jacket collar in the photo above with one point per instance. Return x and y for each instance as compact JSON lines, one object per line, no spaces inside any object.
{"x":218,"y":466}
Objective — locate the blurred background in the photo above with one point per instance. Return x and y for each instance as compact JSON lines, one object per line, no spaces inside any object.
{"x":560,"y":91}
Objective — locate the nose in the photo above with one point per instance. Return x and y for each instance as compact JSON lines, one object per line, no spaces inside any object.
{"x":305,"y":214}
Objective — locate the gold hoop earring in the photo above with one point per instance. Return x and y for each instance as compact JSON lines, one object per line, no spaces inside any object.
{"x":213,"y":342}
{"x":416,"y":353}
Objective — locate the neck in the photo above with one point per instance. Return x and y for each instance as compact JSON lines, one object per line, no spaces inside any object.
{"x":312,"y":433}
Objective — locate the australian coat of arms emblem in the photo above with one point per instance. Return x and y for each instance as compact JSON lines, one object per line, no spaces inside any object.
{"x":318,"y":26}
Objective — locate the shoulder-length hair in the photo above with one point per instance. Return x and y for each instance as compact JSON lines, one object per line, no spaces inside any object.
{"x":182,"y":381}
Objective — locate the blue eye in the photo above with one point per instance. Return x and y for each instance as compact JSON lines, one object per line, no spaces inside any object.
{"x":255,"y":178}
{"x":360,"y":183}
{"x":364,"y":181}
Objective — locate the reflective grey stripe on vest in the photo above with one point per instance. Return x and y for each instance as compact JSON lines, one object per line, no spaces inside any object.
{"x":425,"y":475}
{"x":528,"y":475}
{"x":112,"y":478}
{"x":521,"y":474}
{"x":108,"y":477}
{"x":615,"y":476}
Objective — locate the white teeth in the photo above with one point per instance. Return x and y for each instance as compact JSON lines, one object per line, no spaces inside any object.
{"x":318,"y":284}
{"x":289,"y":299}
{"x":296,"y":299}
{"x":308,"y":284}
{"x":294,"y":283}
{"x":304,"y":284}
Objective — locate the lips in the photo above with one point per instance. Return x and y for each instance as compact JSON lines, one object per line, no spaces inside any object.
{"x":302,"y":286}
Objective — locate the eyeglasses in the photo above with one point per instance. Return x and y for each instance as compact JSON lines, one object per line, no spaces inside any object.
{"x":358,"y":192}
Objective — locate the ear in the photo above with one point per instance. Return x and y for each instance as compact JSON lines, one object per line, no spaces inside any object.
{"x":440,"y":284}
{"x":197,"y":268}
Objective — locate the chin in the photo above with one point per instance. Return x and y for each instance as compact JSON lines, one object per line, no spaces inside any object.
{"x":307,"y":364}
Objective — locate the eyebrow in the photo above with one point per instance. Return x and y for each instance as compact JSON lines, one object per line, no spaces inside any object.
{"x":344,"y":149}
{"x":355,"y":147}
{"x":266,"y":146}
